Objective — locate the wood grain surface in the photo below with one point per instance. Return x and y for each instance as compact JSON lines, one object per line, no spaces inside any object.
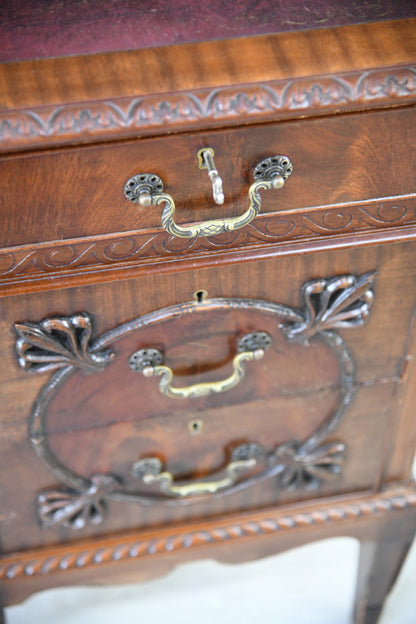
{"x":144,"y":555}
{"x":352,"y":174}
{"x":93,"y":430}
{"x":339,"y":102}
{"x":78,"y":192}
{"x":193,"y":66}
{"x":196,"y":86}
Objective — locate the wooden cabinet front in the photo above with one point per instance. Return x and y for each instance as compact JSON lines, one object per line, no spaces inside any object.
{"x":339,"y":164}
{"x":317,"y":410}
{"x":169,"y":394}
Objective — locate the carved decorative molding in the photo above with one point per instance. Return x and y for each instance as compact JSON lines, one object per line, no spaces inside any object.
{"x":146,"y":115}
{"x":143,"y":545}
{"x":343,"y":301}
{"x":111,"y":250}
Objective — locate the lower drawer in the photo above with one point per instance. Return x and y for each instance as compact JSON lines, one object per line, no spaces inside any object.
{"x":151,"y":401}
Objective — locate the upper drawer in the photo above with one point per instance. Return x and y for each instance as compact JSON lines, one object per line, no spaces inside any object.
{"x":351,"y":174}
{"x":338,"y":161}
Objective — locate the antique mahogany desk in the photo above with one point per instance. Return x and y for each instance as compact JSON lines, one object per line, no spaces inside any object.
{"x":235,"y":377}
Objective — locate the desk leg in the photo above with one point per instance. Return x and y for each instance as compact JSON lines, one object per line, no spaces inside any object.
{"x":379,"y":565}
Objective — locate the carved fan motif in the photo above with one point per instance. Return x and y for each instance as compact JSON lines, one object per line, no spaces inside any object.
{"x":339,"y":302}
{"x":76,"y":509}
{"x":58,"y":342}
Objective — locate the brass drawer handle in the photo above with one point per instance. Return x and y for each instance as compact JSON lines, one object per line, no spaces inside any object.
{"x":146,"y":189}
{"x":244,"y":459}
{"x":149,"y":362}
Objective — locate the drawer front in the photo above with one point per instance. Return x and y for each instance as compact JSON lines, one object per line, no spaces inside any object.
{"x":74,"y":195}
{"x":91,"y":443}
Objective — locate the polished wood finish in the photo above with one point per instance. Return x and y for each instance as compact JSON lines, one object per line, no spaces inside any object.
{"x":115,"y":429}
{"x":381,"y":558}
{"x":72,"y":243}
{"x":246,"y":536}
{"x":192,"y":66}
{"x":78,"y":192}
{"x":106,"y":96}
{"x":77,"y":219}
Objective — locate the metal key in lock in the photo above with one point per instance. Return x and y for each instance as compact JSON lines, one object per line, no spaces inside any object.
{"x":206,"y":161}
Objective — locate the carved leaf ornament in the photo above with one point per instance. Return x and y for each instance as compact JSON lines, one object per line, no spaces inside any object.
{"x":65,"y":345}
{"x":126,"y":116}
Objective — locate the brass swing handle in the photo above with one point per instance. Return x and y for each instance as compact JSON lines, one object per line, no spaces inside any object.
{"x":149,"y":362}
{"x":146,"y":189}
{"x":244,"y":458}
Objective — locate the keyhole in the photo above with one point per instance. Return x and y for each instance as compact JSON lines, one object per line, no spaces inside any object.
{"x":200,"y":295}
{"x":195,"y":426}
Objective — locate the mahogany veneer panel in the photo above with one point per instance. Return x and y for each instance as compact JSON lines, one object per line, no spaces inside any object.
{"x":96,"y":97}
{"x":275,"y":279}
{"x":79,"y":192}
{"x":340,"y":104}
{"x":306,"y":53}
{"x":92,"y":431}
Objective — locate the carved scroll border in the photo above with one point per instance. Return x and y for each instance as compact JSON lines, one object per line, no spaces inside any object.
{"x":63,"y":345}
{"x":133,"y":116}
{"x":115,"y":250}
